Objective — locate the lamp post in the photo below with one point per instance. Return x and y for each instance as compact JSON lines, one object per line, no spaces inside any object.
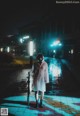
{"x":28,"y":88}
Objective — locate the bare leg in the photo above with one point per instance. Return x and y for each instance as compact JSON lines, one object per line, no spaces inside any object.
{"x":41,"y":99}
{"x":36,"y":95}
{"x":42,"y":95}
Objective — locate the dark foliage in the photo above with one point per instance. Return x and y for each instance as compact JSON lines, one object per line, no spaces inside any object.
{"x":6,"y":58}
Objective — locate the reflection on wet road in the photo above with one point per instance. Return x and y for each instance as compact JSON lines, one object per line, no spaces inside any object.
{"x":55,"y":74}
{"x":62,"y":81}
{"x":55,"y":70}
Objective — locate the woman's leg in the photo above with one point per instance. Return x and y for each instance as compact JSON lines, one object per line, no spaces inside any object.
{"x":41,"y":99}
{"x":42,"y":95}
{"x":36,"y":97}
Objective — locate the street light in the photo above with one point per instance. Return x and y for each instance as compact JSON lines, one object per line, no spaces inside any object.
{"x":31,"y":48}
{"x":26,"y":37}
{"x":31,"y":51}
{"x":8,"y":49}
{"x":1,"y":49}
{"x":22,"y":39}
{"x":56,"y":43}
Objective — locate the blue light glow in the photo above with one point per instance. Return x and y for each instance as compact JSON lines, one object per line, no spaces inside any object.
{"x":54,"y":105}
{"x":60,"y":44}
{"x":55,"y":69}
{"x":54,"y":51}
{"x":56,"y":43}
{"x":21,"y":40}
{"x":26,"y":37}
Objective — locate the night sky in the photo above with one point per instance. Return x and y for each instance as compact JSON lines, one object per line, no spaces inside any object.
{"x":14,"y":15}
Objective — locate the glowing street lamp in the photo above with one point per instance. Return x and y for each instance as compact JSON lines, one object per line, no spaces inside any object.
{"x":60,"y":44}
{"x":72,"y":51}
{"x":56,"y":43}
{"x":54,"y":51}
{"x":31,"y":48}
{"x":8,"y":49}
{"x":31,"y":51}
{"x":1,"y":49}
{"x":21,"y":40}
{"x":26,"y":37}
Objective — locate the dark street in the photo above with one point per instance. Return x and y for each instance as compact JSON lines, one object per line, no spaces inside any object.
{"x":63,"y":85}
{"x":62,"y":79}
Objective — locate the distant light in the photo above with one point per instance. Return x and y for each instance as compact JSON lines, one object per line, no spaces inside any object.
{"x":31,"y":48}
{"x":13,"y":50}
{"x":1,"y":49}
{"x":60,"y":44}
{"x":8,"y":49}
{"x":10,"y":35}
{"x":69,"y":52}
{"x":34,"y":50}
{"x":72,"y":51}
{"x":26,"y":37}
{"x":51,"y":45}
{"x":54,"y":51}
{"x":56,"y":43}
{"x":21,"y":40}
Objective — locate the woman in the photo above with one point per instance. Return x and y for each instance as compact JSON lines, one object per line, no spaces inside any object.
{"x":40,"y":78}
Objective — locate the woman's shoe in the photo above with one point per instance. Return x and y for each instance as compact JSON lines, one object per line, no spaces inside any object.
{"x":41,"y":105}
{"x":37,"y":104}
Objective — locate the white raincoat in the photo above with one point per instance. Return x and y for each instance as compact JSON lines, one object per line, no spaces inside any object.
{"x":40,"y":76}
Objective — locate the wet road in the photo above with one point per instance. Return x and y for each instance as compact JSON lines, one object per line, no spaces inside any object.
{"x":62,"y":80}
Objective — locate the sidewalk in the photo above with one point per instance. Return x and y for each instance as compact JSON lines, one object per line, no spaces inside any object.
{"x":53,"y":106}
